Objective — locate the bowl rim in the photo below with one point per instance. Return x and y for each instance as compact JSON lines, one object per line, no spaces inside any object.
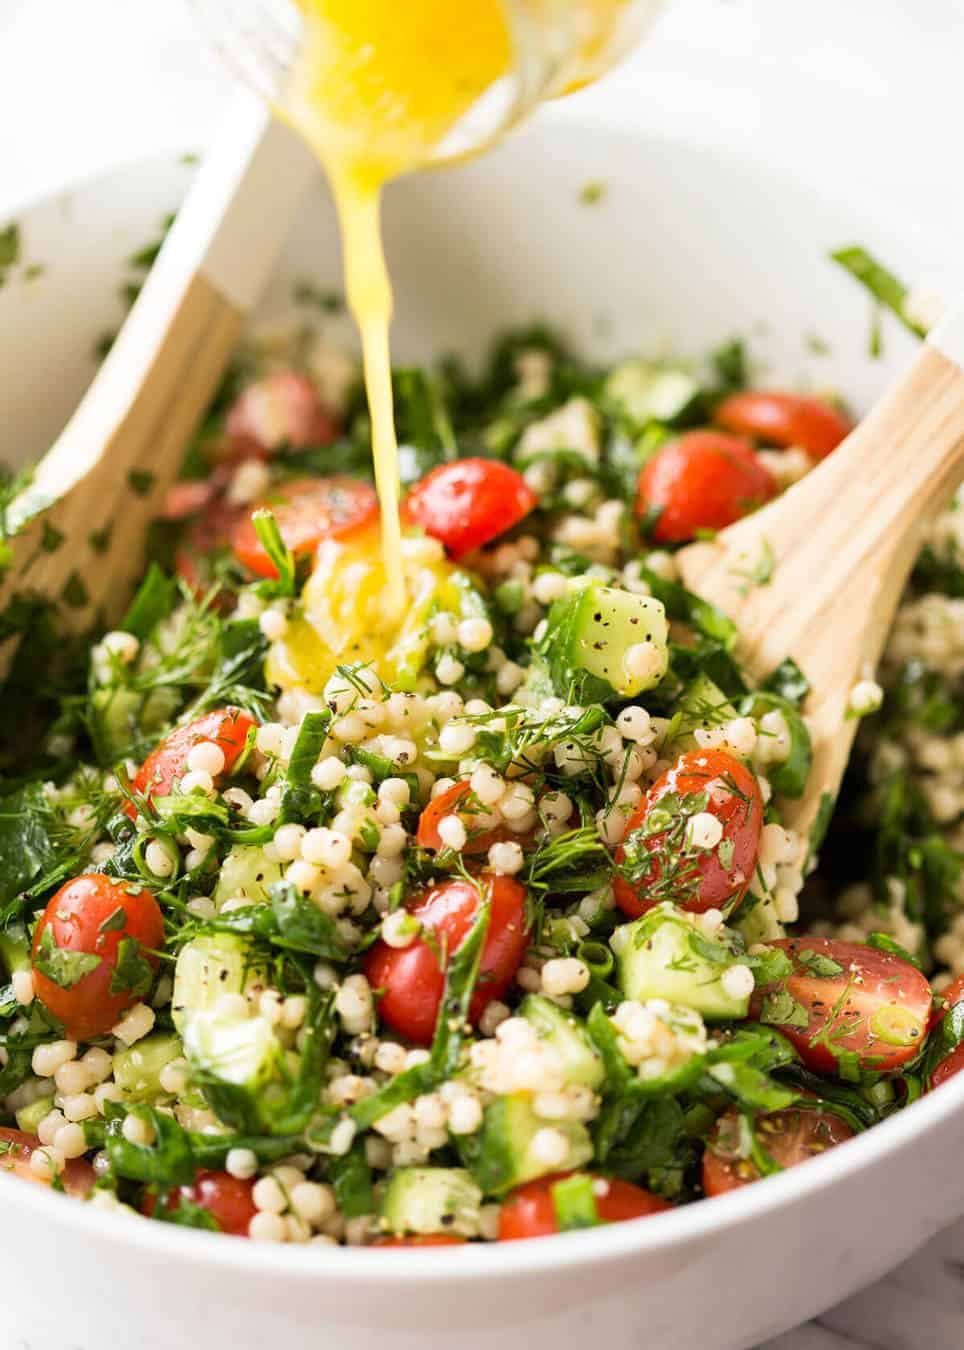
{"x":654,"y":1234}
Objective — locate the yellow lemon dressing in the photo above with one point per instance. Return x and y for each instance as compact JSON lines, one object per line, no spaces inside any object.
{"x":375,"y":89}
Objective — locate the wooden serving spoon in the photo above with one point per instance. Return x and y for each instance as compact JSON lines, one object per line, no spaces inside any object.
{"x":833,"y":553}
{"x":80,"y":527}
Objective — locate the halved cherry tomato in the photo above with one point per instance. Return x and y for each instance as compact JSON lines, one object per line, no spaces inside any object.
{"x":421,"y":1240}
{"x":777,"y":418}
{"x":15,"y":1149}
{"x":91,"y":916}
{"x":227,"y":727}
{"x":469,"y":503}
{"x":530,"y":1211}
{"x":695,"y":879}
{"x":226,"y":1198}
{"x":283,"y":409}
{"x":703,"y":480}
{"x":846,"y":998}
{"x":411,"y":978}
{"x":791,"y":1136}
{"x":307,"y":510}
{"x":453,"y":801}
{"x":954,"y":1062}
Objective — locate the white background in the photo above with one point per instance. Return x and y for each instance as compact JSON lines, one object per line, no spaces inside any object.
{"x":871,"y":89}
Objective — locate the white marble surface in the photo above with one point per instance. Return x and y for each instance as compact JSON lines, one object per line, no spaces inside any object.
{"x":870,"y":89}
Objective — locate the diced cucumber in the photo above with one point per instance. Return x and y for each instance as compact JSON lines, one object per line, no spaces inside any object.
{"x":29,"y":1117}
{"x":662,"y":955}
{"x":500,"y":1154}
{"x":246,"y":872}
{"x":431,"y":1200}
{"x":602,"y":643}
{"x":243,"y":1051}
{"x":567,"y":1036}
{"x":756,"y":920}
{"x":643,"y":392}
{"x":240,"y":1050}
{"x":702,"y":705}
{"x":137,"y":1068}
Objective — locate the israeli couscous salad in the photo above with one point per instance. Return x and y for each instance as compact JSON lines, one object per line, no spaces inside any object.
{"x":325,"y":925}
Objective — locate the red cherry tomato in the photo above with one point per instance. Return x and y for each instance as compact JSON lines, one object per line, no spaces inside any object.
{"x":226,"y":1199}
{"x":695,"y":879}
{"x":703,"y":480}
{"x":954,"y":1062}
{"x":92,"y":915}
{"x":421,"y":1240}
{"x":853,"y":999}
{"x":447,"y":803}
{"x":15,"y":1150}
{"x":469,"y":502}
{"x":530,"y":1211}
{"x":411,"y":977}
{"x":227,"y":727}
{"x":283,"y":409}
{"x":307,"y":510}
{"x":789,"y":1137}
{"x":784,"y":419}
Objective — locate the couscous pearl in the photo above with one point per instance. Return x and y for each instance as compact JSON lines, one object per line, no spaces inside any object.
{"x":159,"y":860}
{"x":444,"y":629}
{"x":399,"y":929}
{"x":390,"y":1057}
{"x":487,"y":785}
{"x":328,"y":773}
{"x":456,"y":738}
{"x":645,"y":661}
{"x":506,"y":858}
{"x":123,"y":646}
{"x":564,"y":975}
{"x":865,"y":698}
{"x":269,"y":1196}
{"x":138,"y":1131}
{"x":267,"y":1227}
{"x":288,"y":840}
{"x":399,"y":749}
{"x":303,"y":875}
{"x":703,"y":830}
{"x":74,"y":1076}
{"x":136,"y":1023}
{"x":737,"y":982}
{"x":635,"y":725}
{"x":206,"y":757}
{"x":48,"y":1127}
{"x":47,"y":1059}
{"x":22,"y":983}
{"x":273,"y":624}
{"x":549,"y":586}
{"x":508,"y":678}
{"x":342,"y":1137}
{"x":448,"y":670}
{"x":197,"y":780}
{"x":70,"y":1141}
{"x":264,"y":811}
{"x":474,"y":635}
{"x":349,"y":729}
{"x":268,"y":738}
{"x":104,"y":1093}
{"x":465,"y":1114}
{"x":241,"y":1163}
{"x":396,"y":791}
{"x":392,"y":841}
{"x":452,"y":832}
{"x":173,"y":1077}
{"x":293,"y":1011}
{"x":777,"y":845}
{"x":353,"y":1003}
{"x":549,"y":1147}
{"x":46,"y":1163}
{"x":326,"y":848}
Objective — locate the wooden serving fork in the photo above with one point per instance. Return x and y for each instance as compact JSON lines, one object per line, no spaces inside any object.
{"x":836,"y":551}
{"x":78,"y":532}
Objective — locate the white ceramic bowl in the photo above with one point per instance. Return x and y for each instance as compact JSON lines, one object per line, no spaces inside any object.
{"x":685,"y":248}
